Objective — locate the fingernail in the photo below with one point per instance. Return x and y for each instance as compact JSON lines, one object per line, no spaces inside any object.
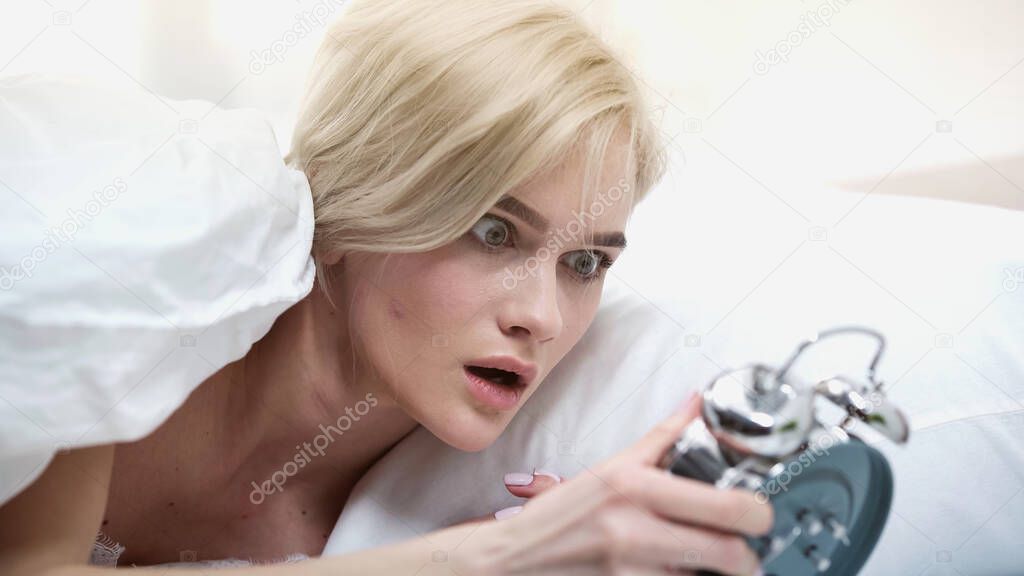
{"x":507,"y":512}
{"x":518,"y":479}
{"x":552,"y":475}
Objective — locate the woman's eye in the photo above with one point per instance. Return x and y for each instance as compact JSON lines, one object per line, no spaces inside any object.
{"x":587,"y":264}
{"x":494,"y":232}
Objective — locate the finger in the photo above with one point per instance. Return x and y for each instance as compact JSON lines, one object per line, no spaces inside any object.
{"x":502,"y":514}
{"x":478,"y":519}
{"x":650,"y":448}
{"x":694,"y":502}
{"x":648,"y":540}
{"x":589,"y":569}
{"x":659,"y":571}
{"x":530,"y":485}
{"x":653,"y":571}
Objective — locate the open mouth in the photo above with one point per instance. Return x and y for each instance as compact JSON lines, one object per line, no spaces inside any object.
{"x":496,"y":376}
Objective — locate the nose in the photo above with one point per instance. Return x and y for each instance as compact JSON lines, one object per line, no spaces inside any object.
{"x":531,"y":307}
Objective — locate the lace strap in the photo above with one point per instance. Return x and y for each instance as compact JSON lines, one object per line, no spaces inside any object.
{"x":105,"y":551}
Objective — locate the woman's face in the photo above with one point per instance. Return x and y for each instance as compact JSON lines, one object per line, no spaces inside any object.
{"x":523,"y":283}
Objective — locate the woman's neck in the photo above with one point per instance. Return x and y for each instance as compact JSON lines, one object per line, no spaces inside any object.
{"x":299,"y":413}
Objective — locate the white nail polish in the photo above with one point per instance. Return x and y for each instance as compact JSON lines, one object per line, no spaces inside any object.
{"x":552,"y":475}
{"x":507,"y":512}
{"x":518,"y":479}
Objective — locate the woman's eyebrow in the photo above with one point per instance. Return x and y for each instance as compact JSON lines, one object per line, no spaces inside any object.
{"x":610,"y":239}
{"x":514,"y":206}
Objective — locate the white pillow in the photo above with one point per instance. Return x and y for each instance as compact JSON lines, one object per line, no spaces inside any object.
{"x":146,"y":244}
{"x":741,"y":277}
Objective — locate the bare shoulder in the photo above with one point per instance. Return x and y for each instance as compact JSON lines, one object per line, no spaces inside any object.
{"x":54,"y":521}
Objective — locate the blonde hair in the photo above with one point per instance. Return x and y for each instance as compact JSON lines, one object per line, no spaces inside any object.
{"x":420,"y":114}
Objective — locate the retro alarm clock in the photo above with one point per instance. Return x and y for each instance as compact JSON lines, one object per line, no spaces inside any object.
{"x":763,"y":430}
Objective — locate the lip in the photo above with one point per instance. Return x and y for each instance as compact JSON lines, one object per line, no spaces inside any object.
{"x":491,"y":394}
{"x":527,"y":372}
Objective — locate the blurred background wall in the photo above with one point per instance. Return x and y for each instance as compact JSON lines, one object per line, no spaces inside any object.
{"x":908,"y":97}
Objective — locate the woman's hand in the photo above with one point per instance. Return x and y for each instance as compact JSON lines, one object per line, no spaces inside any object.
{"x":625,"y":516}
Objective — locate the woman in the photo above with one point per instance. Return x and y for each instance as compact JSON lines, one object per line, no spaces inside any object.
{"x":473,"y":165}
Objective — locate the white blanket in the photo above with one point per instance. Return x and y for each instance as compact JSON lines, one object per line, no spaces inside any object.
{"x":145,"y":244}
